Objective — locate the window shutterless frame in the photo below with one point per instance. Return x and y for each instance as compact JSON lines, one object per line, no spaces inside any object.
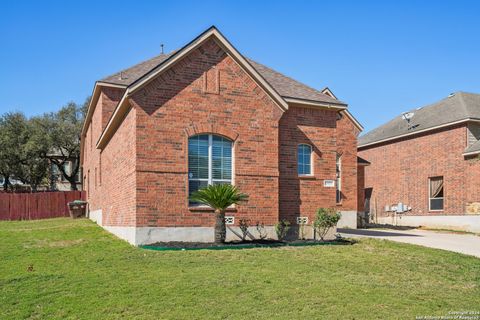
{"x":210,"y":161}
{"x":437,"y":201}
{"x":304,"y":160}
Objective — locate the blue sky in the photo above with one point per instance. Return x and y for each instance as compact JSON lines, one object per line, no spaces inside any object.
{"x":380,"y":57}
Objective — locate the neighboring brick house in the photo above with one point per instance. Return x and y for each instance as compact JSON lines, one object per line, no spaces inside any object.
{"x":427,"y":159}
{"x":205,"y":114}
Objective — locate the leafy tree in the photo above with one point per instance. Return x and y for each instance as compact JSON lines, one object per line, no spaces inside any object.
{"x":62,"y":132}
{"x":33,"y":167}
{"x":219,"y":197}
{"x":12,"y":136}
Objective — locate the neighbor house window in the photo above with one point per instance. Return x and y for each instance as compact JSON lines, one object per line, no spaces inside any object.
{"x":339,"y":178}
{"x":304,"y":159}
{"x":436,"y":193}
{"x":209,"y":161}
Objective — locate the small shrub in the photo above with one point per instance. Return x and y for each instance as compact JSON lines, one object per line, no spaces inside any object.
{"x":325,"y":219}
{"x":244,"y":224}
{"x":281,"y":228}
{"x":262,"y":232}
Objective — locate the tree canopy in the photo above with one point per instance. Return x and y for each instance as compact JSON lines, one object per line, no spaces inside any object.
{"x":28,"y":147}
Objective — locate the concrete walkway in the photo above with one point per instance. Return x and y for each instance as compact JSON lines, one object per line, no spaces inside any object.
{"x":462,"y":243}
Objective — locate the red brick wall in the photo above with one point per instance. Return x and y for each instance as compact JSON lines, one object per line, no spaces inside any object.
{"x":174,"y":107}
{"x":399,"y":171}
{"x":302,"y":196}
{"x":110,"y":174}
{"x":110,"y":98}
{"x":118,"y":175}
{"x":144,"y":167}
{"x":361,"y":189}
{"x":91,"y":158}
{"x":346,"y":137}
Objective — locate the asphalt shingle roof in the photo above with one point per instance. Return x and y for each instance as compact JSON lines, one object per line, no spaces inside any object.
{"x":285,"y":86}
{"x":456,"y":107}
{"x":130,"y":75}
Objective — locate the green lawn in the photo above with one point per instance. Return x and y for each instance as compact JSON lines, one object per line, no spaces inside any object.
{"x":82,"y":272}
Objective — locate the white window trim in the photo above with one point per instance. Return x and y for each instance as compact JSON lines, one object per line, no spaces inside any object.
{"x":430,"y":198}
{"x":210,"y":166}
{"x":311,"y":160}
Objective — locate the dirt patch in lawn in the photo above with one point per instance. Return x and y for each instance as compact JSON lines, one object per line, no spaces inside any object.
{"x":52,"y":244}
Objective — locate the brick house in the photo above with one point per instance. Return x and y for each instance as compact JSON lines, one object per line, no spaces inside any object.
{"x":205,"y":114}
{"x":427,"y":160}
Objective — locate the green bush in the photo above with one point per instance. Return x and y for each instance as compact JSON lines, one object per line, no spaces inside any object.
{"x":325,"y":219}
{"x":281,"y":228}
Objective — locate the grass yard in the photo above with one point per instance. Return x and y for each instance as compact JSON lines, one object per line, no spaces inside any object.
{"x":72,"y":269}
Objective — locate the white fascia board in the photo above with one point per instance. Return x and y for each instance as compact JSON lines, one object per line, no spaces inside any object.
{"x":327,"y":105}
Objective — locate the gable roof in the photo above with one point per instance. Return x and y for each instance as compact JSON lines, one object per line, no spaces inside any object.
{"x":284,"y":85}
{"x":456,"y":108}
{"x":280,"y":88}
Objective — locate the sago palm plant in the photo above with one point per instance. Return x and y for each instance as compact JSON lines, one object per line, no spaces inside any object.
{"x":219,"y":197}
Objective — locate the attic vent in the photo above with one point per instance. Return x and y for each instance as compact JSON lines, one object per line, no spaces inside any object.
{"x":122,"y":76}
{"x":211,"y":83}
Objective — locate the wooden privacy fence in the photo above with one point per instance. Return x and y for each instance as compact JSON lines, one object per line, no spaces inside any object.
{"x":42,"y":205}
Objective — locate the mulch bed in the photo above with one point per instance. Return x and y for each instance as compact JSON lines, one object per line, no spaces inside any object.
{"x":176,"y":245}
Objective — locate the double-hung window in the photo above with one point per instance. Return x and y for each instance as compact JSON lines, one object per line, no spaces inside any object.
{"x":435,"y":190}
{"x":304,"y":160}
{"x":209,"y":162}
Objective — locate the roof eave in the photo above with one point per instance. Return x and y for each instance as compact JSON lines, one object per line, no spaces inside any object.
{"x":418,"y":132}
{"x":313,"y":103}
{"x":353,"y":119}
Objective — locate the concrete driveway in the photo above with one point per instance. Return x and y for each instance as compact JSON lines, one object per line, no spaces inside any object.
{"x":462,"y":243}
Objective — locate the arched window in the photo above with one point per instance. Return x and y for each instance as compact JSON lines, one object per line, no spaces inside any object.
{"x":209,"y":161}
{"x":304,"y":159}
